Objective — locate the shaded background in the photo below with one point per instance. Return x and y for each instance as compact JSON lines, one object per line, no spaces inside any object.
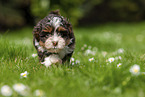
{"x":15,"y":14}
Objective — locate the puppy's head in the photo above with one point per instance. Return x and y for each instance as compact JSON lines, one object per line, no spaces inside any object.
{"x":54,"y":34}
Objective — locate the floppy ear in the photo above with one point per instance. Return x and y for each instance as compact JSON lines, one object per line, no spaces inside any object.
{"x":69,"y":26}
{"x":36,"y":32}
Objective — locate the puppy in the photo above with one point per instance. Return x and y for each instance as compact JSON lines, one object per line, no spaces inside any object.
{"x":54,"y":39}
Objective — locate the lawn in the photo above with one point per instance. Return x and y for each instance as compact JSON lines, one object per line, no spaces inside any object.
{"x":102,"y":64}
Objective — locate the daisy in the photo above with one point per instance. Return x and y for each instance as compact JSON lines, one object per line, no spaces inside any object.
{"x":77,"y":62}
{"x":6,"y":90}
{"x":24,"y":74}
{"x":91,"y":59}
{"x":119,"y":57}
{"x":135,"y":69}
{"x":72,"y":59}
{"x":119,"y":65}
{"x":121,"y":50}
{"x":85,"y":45}
{"x":34,"y":55}
{"x":143,"y":73}
{"x":89,"y":52}
{"x":21,"y":89}
{"x":39,"y":93}
{"x":111,"y":60}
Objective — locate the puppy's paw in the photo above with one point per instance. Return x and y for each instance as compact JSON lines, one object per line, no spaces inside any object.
{"x":52,"y":59}
{"x":55,"y":59}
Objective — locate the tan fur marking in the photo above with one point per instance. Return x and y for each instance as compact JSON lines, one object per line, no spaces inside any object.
{"x":67,"y":42}
{"x":61,"y":29}
{"x":70,"y":30}
{"x":48,"y":29}
{"x":41,"y":43}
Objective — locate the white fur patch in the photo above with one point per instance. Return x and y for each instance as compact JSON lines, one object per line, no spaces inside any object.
{"x":36,"y":43}
{"x":55,"y":22}
{"x":40,"y":48}
{"x":55,"y":38}
{"x":47,"y":62}
{"x":52,"y":59}
{"x":65,"y":51}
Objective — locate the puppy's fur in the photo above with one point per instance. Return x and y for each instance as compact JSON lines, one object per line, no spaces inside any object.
{"x":53,"y":39}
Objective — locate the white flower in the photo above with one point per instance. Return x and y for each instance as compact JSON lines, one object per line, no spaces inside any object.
{"x":119,"y":57}
{"x":143,"y":73}
{"x":34,"y":55}
{"x":89,"y":47}
{"x":77,"y":61}
{"x":21,"y":89}
{"x":82,"y":48}
{"x":39,"y":93}
{"x":72,"y":59}
{"x":85,"y":45}
{"x":6,"y":90}
{"x":72,"y":63}
{"x":111,"y":60}
{"x":135,"y":69}
{"x":90,"y":52}
{"x":119,"y":65}
{"x":91,"y":59}
{"x":121,"y":50}
{"x":24,"y":74}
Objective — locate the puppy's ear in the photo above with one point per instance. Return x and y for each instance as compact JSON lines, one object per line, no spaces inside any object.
{"x":36,"y":32}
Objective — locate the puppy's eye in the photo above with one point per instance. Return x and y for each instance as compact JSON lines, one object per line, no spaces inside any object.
{"x":64,"y":33}
{"x":44,"y":34}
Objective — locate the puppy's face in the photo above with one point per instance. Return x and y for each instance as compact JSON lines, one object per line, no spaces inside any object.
{"x":54,"y":37}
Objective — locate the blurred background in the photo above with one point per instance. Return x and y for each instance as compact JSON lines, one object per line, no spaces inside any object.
{"x":15,"y":14}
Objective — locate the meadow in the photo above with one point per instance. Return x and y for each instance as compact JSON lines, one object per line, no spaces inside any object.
{"x":103,"y":64}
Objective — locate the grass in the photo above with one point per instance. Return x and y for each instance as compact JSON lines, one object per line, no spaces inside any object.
{"x":97,"y":78}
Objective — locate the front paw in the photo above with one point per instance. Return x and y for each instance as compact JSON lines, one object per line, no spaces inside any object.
{"x":52,"y":59}
{"x":55,"y":59}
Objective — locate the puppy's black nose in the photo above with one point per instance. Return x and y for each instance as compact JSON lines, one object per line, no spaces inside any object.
{"x":55,"y":43}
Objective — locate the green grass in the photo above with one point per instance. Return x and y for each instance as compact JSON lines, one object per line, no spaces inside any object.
{"x":87,"y":79}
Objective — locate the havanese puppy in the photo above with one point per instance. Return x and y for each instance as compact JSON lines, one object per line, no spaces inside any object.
{"x":54,"y":39}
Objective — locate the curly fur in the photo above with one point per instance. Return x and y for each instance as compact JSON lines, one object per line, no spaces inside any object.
{"x":53,"y":36}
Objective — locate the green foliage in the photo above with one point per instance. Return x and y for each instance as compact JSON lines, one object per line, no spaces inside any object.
{"x":87,"y":79}
{"x":99,"y":10}
{"x":12,"y":13}
{"x":68,"y":8}
{"x":17,"y":13}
